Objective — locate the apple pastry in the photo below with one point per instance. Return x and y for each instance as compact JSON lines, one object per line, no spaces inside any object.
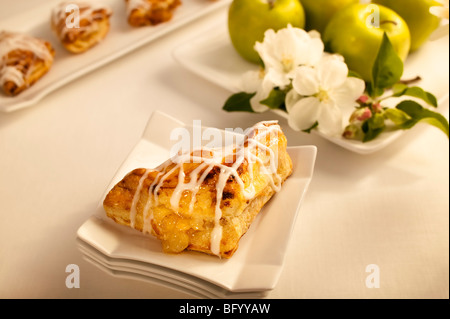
{"x":23,"y":61}
{"x":150,"y":12}
{"x":204,"y":200}
{"x":80,"y":25}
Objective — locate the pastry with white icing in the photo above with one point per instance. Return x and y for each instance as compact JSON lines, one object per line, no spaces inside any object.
{"x":150,"y":12}
{"x":23,"y":61}
{"x":80,"y":25}
{"x":204,"y":200}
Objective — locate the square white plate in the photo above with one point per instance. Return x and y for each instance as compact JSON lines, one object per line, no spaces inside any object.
{"x":120,"y":40}
{"x":179,"y":281}
{"x":257,"y":263}
{"x":212,"y":57}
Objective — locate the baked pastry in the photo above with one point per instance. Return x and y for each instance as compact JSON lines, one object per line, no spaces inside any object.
{"x":204,"y":200}
{"x":150,"y":12}
{"x":80,"y":29}
{"x":23,"y":61}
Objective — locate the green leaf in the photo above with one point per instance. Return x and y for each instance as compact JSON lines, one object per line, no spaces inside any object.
{"x":275,"y":100}
{"x":415,"y":91}
{"x":373,"y":127}
{"x":239,"y":102}
{"x":353,"y":74}
{"x":398,"y":117}
{"x":420,"y":114}
{"x":311,"y":128}
{"x":398,"y":89}
{"x":387,"y":69}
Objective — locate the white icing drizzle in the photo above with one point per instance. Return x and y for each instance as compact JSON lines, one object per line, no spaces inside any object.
{"x":136,"y":5}
{"x":198,"y":175}
{"x":14,"y":41}
{"x":10,"y":73}
{"x":88,"y":11}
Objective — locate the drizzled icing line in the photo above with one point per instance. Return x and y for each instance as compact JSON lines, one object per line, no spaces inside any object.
{"x":206,"y":165}
{"x":14,"y":41}
{"x":87,"y":11}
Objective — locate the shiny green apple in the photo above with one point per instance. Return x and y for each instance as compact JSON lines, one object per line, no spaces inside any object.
{"x":249,"y":19}
{"x":417,"y":15}
{"x":356,"y":32}
{"x":319,"y":12}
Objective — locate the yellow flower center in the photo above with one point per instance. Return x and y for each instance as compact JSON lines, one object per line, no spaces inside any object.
{"x":287,"y":63}
{"x":323,"y":95}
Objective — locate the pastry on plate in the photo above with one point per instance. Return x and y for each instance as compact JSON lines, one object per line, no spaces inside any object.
{"x":23,"y":61}
{"x":204,"y":200}
{"x":80,"y":25}
{"x":150,"y":12}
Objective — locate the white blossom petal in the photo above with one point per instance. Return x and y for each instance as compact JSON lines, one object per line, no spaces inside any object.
{"x":313,"y":52}
{"x":332,"y":73}
{"x":279,"y":79}
{"x":292,"y":97}
{"x":346,"y":95}
{"x":251,"y":81}
{"x":306,"y":81}
{"x":441,"y":11}
{"x":314,"y":34}
{"x":304,"y":113}
{"x":261,"y":94}
{"x":283,"y":51}
{"x":330,"y":119}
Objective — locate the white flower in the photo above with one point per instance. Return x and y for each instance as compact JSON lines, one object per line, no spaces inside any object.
{"x":292,"y":97}
{"x":440,"y":11}
{"x":257,"y":82}
{"x":283,"y":51}
{"x":326,"y":90}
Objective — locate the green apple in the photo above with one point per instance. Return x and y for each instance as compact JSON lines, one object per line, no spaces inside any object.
{"x":356,"y":32}
{"x":417,"y":15}
{"x":319,"y":12}
{"x":249,"y":19}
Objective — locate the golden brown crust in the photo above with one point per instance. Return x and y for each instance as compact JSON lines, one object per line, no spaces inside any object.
{"x":150,"y":12}
{"x":94,"y":26}
{"x":21,"y":66}
{"x":191,"y":229}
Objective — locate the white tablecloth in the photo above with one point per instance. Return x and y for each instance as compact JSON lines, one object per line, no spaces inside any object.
{"x":390,"y":208}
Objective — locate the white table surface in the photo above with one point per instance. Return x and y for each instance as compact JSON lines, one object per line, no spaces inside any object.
{"x":57,"y":157}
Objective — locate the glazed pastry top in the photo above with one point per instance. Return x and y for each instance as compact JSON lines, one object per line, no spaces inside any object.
{"x":19,"y":43}
{"x":88,"y":12}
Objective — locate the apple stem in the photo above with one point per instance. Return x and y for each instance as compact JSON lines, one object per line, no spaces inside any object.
{"x":411,"y":81}
{"x":388,"y":21}
{"x":271,"y":4}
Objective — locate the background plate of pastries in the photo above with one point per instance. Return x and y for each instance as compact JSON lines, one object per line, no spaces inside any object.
{"x":56,"y":43}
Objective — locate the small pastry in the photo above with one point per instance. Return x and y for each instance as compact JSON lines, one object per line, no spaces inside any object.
{"x":23,"y":61}
{"x":204,"y":200}
{"x":80,"y":25}
{"x":150,"y":12}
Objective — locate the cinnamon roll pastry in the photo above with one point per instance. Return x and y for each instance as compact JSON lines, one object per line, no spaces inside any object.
{"x":150,"y":12}
{"x":23,"y":61}
{"x":80,"y":25}
{"x":204,"y":200}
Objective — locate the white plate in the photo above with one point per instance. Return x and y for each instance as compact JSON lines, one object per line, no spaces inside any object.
{"x":123,"y":268}
{"x":251,"y":268}
{"x":121,"y":40}
{"x":212,"y":56}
